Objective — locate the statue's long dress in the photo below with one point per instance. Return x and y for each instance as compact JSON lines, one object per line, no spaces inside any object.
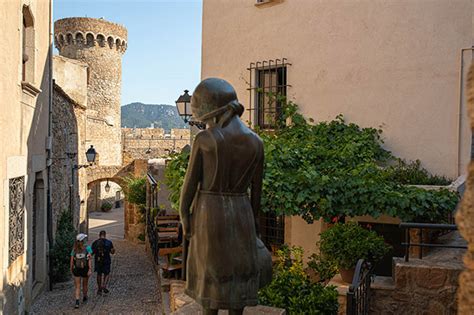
{"x":222,"y":260}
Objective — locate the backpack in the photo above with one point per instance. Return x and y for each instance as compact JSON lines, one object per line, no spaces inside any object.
{"x":100,"y":251}
{"x":80,"y":259}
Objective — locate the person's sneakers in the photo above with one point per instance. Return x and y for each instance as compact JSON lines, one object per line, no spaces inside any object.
{"x":77,"y":304}
{"x":106,"y":291}
{"x":84,"y":299}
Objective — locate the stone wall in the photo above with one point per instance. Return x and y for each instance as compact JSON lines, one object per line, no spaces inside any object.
{"x":149,"y":143}
{"x":419,"y":288}
{"x":68,"y":121}
{"x":100,"y":44}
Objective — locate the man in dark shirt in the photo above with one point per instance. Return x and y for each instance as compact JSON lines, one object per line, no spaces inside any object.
{"x":102,"y":248}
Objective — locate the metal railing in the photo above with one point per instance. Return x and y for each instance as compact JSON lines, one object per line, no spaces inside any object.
{"x":358,"y":294}
{"x":152,"y":236}
{"x":421,"y":226}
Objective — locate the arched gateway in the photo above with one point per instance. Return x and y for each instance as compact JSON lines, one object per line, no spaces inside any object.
{"x":117,"y":174}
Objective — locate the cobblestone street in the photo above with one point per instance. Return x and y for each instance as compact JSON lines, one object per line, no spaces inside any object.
{"x":134,"y":285}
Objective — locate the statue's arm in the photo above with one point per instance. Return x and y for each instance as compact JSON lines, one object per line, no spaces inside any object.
{"x":256,"y":191}
{"x":191,"y":181}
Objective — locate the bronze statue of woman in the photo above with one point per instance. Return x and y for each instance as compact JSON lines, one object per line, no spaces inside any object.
{"x":218,"y":216}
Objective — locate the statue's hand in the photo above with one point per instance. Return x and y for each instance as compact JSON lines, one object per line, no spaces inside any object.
{"x":186,"y":227}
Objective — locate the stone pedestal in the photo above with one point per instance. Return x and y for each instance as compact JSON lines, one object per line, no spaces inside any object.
{"x":181,"y":304}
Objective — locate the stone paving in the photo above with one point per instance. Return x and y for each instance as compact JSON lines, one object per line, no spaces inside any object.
{"x":134,"y":288}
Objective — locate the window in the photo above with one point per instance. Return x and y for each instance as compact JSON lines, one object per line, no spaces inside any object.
{"x":269,"y":79}
{"x":28,"y":46}
{"x":272,"y":230}
{"x":16,"y":241}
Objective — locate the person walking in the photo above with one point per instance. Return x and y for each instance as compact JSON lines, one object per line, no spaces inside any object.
{"x":81,"y":267}
{"x":102,"y":248}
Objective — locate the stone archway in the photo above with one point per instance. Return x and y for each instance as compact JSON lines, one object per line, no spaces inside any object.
{"x":117,"y":174}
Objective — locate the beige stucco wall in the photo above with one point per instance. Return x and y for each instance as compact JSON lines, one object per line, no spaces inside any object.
{"x":393,"y":64}
{"x":306,"y":235}
{"x":71,"y":76}
{"x":23,"y":133}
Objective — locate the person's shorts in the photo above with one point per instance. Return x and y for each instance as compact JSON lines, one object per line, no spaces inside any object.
{"x":80,"y":272}
{"x":102,"y":269}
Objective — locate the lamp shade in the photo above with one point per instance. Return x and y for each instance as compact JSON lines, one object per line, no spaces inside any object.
{"x":183,"y":104}
{"x":91,"y":154}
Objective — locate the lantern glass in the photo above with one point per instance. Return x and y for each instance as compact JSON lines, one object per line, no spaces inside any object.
{"x":181,"y":108}
{"x":107,"y":187}
{"x":183,"y":105}
{"x":91,"y":154}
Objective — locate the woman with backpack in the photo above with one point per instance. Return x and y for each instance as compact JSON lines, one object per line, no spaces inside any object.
{"x":81,"y":267}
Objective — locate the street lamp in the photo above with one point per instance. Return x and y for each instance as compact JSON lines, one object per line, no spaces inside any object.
{"x":107,"y":186}
{"x":183,"y":104}
{"x":90,"y":155}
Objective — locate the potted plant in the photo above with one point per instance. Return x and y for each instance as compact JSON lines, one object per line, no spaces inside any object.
{"x":106,"y":206}
{"x":346,"y":243}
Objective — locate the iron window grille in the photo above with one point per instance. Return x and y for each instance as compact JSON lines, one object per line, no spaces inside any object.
{"x":268,"y":89}
{"x":272,"y":230}
{"x":16,"y":218}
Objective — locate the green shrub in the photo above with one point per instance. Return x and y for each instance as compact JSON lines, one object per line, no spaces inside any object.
{"x":174,"y":175}
{"x":412,"y":173}
{"x":324,"y":268}
{"x":61,"y":249}
{"x":135,"y":192}
{"x":346,"y":243}
{"x":292,"y":290}
{"x":334,"y":169}
{"x":106,"y":206}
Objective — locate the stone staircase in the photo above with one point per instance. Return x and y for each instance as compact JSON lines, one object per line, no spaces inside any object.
{"x":425,"y":286}
{"x":421,"y":286}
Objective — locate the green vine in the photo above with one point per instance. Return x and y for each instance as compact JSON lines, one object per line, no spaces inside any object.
{"x":334,"y":169}
{"x":174,"y":176}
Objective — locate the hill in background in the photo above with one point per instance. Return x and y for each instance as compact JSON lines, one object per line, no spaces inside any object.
{"x":139,"y":115}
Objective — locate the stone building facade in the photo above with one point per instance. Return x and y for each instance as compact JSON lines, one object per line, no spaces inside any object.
{"x":100,"y":44}
{"x":89,"y":71}
{"x":87,"y":112}
{"x":25,"y":90}
{"x":69,"y":134}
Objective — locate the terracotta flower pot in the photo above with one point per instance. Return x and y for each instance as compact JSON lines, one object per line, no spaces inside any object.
{"x":347,"y":274}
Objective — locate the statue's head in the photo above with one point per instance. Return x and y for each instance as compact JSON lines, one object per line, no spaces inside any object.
{"x":213,"y":97}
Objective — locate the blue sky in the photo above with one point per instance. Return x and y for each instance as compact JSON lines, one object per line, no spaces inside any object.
{"x":164,"y":44}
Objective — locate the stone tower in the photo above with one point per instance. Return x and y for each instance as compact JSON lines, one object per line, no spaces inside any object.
{"x":100,"y":44}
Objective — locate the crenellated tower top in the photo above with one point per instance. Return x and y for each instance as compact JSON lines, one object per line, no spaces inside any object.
{"x":89,"y":32}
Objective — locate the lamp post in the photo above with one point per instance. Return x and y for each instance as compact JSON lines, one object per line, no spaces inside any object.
{"x":183,"y":104}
